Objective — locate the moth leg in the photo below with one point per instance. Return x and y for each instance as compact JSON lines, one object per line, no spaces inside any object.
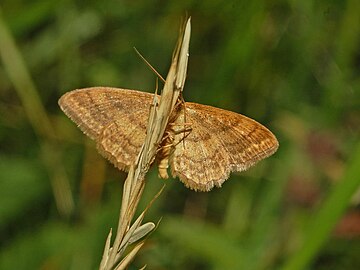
{"x":168,"y":137}
{"x":163,"y":152}
{"x":172,"y":125}
{"x":168,"y":145}
{"x":186,"y":130}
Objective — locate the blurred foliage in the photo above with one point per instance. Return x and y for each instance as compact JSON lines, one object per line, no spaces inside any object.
{"x":292,"y":65}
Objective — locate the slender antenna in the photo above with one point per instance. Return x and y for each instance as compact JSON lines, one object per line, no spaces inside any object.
{"x":149,"y":65}
{"x":157,"y":86}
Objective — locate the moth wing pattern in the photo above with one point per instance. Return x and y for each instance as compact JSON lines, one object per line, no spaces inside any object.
{"x":115,"y":118}
{"x":220,"y":142}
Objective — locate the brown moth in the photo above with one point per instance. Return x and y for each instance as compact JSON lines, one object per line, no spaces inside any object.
{"x":202,"y":144}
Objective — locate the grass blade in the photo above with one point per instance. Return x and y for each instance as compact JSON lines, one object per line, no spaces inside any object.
{"x":328,"y":216}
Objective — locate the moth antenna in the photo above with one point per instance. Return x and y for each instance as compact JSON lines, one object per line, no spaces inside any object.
{"x":156,"y":85}
{"x":149,"y":65}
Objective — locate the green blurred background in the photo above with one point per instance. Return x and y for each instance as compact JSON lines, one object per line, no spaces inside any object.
{"x":291,"y":65}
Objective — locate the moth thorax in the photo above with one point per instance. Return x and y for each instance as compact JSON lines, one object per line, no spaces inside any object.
{"x":164,"y":153}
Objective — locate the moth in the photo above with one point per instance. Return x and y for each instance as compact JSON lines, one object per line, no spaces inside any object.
{"x":202,"y":144}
